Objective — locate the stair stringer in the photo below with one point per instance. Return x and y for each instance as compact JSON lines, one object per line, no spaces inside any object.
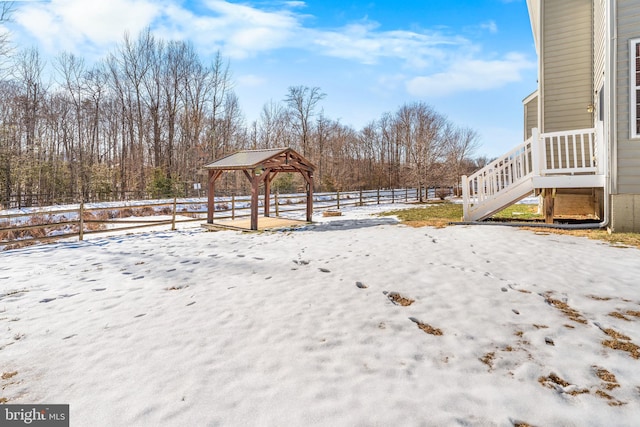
{"x":507,"y":197}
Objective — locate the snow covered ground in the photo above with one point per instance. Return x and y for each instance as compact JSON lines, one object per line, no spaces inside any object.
{"x":306,"y":327}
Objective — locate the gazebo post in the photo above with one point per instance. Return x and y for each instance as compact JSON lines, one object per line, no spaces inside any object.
{"x":267,"y":194}
{"x":255,"y":186}
{"x":309,"y":197}
{"x":211,"y":196}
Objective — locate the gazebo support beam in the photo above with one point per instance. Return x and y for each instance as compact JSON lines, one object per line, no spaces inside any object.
{"x":267,"y":193}
{"x":308,"y":176}
{"x":211,"y":193}
{"x":255,"y":187}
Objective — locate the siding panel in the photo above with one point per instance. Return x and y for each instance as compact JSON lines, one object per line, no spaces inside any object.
{"x":530,"y":115}
{"x":628,"y":25}
{"x":567,"y":58}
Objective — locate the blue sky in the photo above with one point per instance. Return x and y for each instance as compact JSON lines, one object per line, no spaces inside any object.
{"x":471,"y":60}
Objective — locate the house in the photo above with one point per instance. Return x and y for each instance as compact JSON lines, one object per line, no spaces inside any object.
{"x":581,"y":149}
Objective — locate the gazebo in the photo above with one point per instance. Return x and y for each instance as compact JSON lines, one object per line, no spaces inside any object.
{"x":260,"y":167}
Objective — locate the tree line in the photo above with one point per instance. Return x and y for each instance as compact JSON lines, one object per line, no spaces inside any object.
{"x":144,"y":120}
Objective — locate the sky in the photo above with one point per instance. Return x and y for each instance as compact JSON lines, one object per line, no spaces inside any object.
{"x":473,"y":61}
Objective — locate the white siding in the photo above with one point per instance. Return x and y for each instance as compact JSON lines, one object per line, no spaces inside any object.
{"x":567,"y":64}
{"x":628,"y":25}
{"x":599,"y":43}
{"x":530,"y":114}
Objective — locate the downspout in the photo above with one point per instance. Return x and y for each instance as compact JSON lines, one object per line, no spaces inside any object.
{"x":610,"y":125}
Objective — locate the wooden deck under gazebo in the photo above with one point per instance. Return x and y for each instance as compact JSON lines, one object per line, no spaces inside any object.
{"x":260,"y":167}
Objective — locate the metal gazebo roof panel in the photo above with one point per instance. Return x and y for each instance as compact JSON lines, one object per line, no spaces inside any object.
{"x":245,"y":159}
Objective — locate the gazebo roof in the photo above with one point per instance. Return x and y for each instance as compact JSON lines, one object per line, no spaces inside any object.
{"x":250,"y":159}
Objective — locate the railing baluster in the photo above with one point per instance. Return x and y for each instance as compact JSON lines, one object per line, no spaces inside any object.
{"x":552,"y":151}
{"x":582,"y":152}
{"x":592,"y":162}
{"x":575,"y":152}
{"x":567,"y":153}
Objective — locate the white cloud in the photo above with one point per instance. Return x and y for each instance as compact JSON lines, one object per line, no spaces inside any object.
{"x":490,"y":26}
{"x":244,"y":31}
{"x":65,"y":24}
{"x":430,"y":59}
{"x":471,"y":74}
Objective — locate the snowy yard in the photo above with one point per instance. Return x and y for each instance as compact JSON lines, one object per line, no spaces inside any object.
{"x":307,"y":327}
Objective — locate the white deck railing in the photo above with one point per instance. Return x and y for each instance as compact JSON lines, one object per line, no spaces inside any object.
{"x":572,"y":152}
{"x":569,"y":152}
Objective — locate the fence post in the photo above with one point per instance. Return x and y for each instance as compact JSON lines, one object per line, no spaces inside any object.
{"x":361,"y":197}
{"x":338,"y":199}
{"x":173,"y":216}
{"x":406,"y":195}
{"x":275,"y":202}
{"x":81,"y":226}
{"x":378,"y":195}
{"x":393,"y":195}
{"x":233,"y":207}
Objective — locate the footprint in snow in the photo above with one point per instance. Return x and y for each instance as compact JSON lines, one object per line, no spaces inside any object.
{"x":324,"y":270}
{"x":398,"y":299}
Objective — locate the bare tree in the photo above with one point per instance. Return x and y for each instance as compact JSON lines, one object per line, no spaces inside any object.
{"x":273,"y":126}
{"x":302,"y":102}
{"x":6,"y":12}
{"x":28,"y":72}
{"x":461,"y":144}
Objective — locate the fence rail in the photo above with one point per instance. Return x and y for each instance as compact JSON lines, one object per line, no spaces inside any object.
{"x":25,"y":227}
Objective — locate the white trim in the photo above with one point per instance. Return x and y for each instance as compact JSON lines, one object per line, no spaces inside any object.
{"x":634,"y":132}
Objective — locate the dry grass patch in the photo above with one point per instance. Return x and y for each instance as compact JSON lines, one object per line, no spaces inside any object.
{"x":597,"y":298}
{"x":429,"y":329}
{"x":615,"y":334}
{"x":620,"y":342}
{"x":609,"y":379}
{"x":552,"y":381}
{"x":618,"y":315}
{"x":426,"y":327}
{"x":8,"y":375}
{"x":433,"y":215}
{"x":488,"y":359}
{"x":398,"y":299}
{"x":612,"y":400}
{"x":614,"y":239}
{"x":628,"y":346}
{"x":565,"y":309}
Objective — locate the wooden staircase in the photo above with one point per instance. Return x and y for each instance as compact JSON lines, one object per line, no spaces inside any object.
{"x":568,"y":159}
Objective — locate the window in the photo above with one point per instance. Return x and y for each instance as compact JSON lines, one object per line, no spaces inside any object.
{"x":634,"y":83}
